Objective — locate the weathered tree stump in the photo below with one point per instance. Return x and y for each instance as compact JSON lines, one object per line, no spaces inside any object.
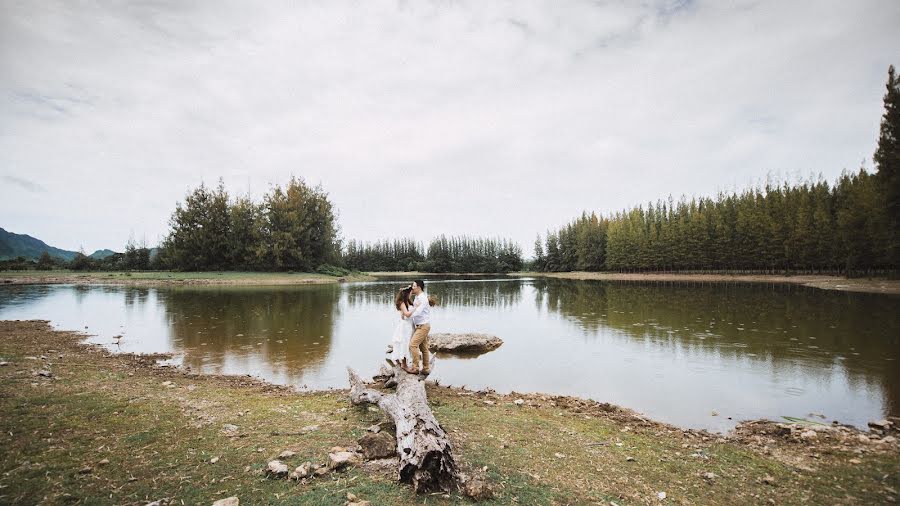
{"x":426,"y":455}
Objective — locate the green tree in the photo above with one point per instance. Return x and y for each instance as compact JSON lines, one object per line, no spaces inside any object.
{"x":887,"y":162}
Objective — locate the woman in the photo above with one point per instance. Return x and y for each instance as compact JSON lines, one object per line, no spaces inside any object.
{"x":403,"y":328}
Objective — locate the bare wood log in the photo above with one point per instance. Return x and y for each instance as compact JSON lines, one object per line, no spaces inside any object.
{"x":426,"y":455}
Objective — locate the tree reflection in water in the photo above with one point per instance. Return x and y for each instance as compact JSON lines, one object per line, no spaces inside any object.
{"x":786,"y":325}
{"x":280,"y":332}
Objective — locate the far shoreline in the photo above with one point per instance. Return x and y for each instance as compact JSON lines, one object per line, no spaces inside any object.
{"x":231,"y":278}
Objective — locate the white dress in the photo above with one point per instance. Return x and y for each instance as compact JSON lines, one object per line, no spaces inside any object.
{"x":403,"y":330}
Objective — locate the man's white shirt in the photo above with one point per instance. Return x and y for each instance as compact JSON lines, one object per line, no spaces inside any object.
{"x":422,"y":312}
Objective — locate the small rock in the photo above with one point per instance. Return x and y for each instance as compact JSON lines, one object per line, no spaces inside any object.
{"x":808,"y":434}
{"x":168,"y":384}
{"x":45,"y":373}
{"x":228,"y":501}
{"x":359,"y":503}
{"x":559,"y":455}
{"x":4,"y":364}
{"x":661,"y":496}
{"x":519,"y":402}
{"x":374,"y":428}
{"x":489,"y":403}
{"x":714,"y":413}
{"x":880,"y":424}
{"x":351,"y":497}
{"x":309,"y":428}
{"x":769,"y":480}
{"x":228,"y":427}
{"x":378,"y":446}
{"x":321,"y":471}
{"x":863,"y":438}
{"x":302,"y":471}
{"x":276,"y":469}
{"x":710,"y":477}
{"x":86,"y":470}
{"x":888,"y":439}
{"x":477,"y":489}
{"x":855,"y":461}
{"x":213,"y":460}
{"x":339,"y":460}
{"x":286,"y":454}
{"x":103,"y":462}
{"x":629,"y":459}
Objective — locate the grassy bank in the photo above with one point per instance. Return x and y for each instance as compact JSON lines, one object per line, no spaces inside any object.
{"x":886,"y":286}
{"x":152,"y":278}
{"x":109,"y":429}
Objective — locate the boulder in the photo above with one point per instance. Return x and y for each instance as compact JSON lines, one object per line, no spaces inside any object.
{"x":378,"y":445}
{"x":465,"y":343}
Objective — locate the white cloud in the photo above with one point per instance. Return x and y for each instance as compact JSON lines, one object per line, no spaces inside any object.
{"x":502,"y":118}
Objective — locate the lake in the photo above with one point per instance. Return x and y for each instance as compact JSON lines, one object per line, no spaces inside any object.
{"x":694,"y":355}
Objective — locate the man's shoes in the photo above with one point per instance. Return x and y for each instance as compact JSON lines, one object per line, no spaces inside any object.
{"x":425,"y":372}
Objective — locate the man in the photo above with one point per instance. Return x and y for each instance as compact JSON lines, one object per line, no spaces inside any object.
{"x":421,"y":317}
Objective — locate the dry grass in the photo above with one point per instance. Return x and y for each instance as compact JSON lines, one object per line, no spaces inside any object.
{"x":159,"y":440}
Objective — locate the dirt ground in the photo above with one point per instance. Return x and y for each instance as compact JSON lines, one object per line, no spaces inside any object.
{"x":82,"y":425}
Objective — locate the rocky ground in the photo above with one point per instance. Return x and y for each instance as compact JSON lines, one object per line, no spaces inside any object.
{"x":81,"y":425}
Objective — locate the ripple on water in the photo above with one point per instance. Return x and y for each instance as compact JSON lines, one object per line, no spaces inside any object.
{"x":794,"y":391}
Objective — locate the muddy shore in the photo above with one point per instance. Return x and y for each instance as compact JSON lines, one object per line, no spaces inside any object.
{"x":161,"y":431}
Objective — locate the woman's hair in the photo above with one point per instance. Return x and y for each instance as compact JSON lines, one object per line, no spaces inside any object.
{"x":402,"y":298}
{"x":432,"y":300}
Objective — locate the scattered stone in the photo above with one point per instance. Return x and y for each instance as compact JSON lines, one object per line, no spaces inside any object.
{"x":629,"y":459}
{"x":351,"y":497}
{"x":86,"y":470}
{"x":463,"y":342}
{"x":374,"y":428}
{"x":880,"y":424}
{"x":321,"y":471}
{"x":213,"y":460}
{"x":709,"y":477}
{"x":863,"y":438}
{"x":489,"y":403}
{"x":228,"y":427}
{"x":168,"y":384}
{"x":559,"y":455}
{"x":477,"y":489}
{"x":714,"y":413}
{"x":519,"y":402}
{"x":302,"y":471}
{"x":378,"y":445}
{"x":888,"y":439}
{"x":4,"y":364}
{"x":276,"y":469}
{"x":228,"y":501}
{"x":309,"y":428}
{"x":769,"y":480}
{"x":341,"y":459}
{"x":45,"y":373}
{"x":103,"y":462}
{"x":808,"y":434}
{"x":286,"y":454}
{"x":661,"y":496}
{"x":359,"y":503}
{"x":855,"y":461}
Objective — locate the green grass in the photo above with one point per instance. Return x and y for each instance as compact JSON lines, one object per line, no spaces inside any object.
{"x":159,"y":442}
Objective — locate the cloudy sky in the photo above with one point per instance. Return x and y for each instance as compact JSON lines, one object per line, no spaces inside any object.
{"x":498,"y":118}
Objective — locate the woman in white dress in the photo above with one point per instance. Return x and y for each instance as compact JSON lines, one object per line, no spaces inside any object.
{"x":403,"y":329}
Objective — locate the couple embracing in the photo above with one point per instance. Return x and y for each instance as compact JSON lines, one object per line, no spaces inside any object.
{"x":410,"y":340}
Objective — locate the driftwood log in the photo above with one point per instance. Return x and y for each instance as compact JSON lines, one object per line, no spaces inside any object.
{"x":426,"y":455}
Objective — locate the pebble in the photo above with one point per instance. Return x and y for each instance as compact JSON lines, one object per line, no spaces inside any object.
{"x":559,"y":455}
{"x":277,"y":469}
{"x":769,"y":479}
{"x":103,"y":462}
{"x":2,"y":364}
{"x":661,"y":496}
{"x":228,"y":501}
{"x":518,"y":402}
{"x":855,"y":461}
{"x":286,"y":454}
{"x":86,"y":470}
{"x":710,"y":477}
{"x":629,"y":459}
{"x":213,"y":460}
{"x":808,"y":434}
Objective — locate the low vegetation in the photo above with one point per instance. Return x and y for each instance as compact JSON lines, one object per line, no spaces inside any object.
{"x":83,"y":426}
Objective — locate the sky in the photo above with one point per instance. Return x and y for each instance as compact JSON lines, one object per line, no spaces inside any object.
{"x":422,"y":118}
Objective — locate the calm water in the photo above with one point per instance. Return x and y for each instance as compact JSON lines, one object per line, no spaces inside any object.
{"x":676,"y":352}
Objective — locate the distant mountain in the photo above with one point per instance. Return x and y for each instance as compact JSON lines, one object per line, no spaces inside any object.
{"x":100,"y":254}
{"x":21,"y":245}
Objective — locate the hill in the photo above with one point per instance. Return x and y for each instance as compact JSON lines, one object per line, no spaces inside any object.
{"x":22,"y":245}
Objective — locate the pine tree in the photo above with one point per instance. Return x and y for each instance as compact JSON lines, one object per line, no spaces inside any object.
{"x":887,"y":161}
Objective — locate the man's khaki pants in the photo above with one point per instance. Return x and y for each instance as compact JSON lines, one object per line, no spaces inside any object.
{"x":419,"y":342}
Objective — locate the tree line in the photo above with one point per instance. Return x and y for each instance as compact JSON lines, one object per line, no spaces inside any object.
{"x":444,"y":254}
{"x":849,"y":227}
{"x":293,"y":228}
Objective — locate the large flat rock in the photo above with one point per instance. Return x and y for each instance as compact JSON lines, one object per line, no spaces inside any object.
{"x":465,"y":343}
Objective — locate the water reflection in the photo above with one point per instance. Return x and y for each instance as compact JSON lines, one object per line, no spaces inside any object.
{"x":287,"y":332}
{"x":673,"y":351}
